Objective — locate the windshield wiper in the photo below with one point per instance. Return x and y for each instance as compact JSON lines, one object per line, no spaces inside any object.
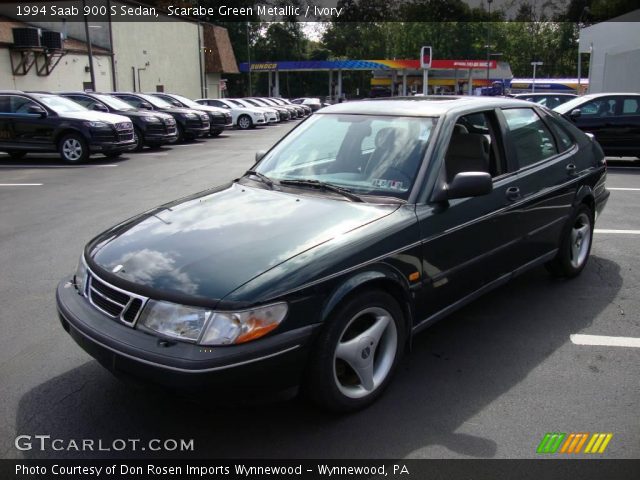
{"x":323,"y":186}
{"x":262,"y":177}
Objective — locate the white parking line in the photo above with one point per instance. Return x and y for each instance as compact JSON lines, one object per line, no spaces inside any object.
{"x":58,"y":166}
{"x":624,"y":232}
{"x":152,"y":154}
{"x":20,"y":184}
{"x":625,"y":189}
{"x":601,"y":340}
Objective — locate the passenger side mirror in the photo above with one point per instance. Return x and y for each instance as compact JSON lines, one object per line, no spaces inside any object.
{"x":36,"y":110}
{"x":260,"y":154}
{"x":99,"y":107}
{"x":575,"y":113}
{"x":146,"y":106}
{"x":469,"y":184}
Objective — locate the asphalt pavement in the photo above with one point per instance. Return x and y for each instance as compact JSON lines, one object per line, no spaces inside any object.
{"x":487,"y":382}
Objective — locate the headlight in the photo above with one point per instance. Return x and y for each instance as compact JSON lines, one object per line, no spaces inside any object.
{"x":80,"y":278}
{"x":151,"y":119}
{"x":258,"y":114}
{"x":207,"y":327}
{"x":97,"y":124}
{"x":226,"y":328}
{"x":174,"y":320}
{"x":193,"y":116}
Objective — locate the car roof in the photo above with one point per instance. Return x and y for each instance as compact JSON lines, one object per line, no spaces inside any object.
{"x":542,"y":94}
{"x":608,"y":94}
{"x":432,"y":105}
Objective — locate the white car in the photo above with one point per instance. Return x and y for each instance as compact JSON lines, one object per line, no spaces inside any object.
{"x":242,"y":117}
{"x":272,"y":114}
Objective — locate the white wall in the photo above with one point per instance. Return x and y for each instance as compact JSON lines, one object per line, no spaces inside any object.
{"x":168,"y":52}
{"x":68,"y":75}
{"x":615,"y":50}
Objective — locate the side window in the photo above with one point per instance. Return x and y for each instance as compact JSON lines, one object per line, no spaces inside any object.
{"x":84,"y":101}
{"x":630,"y":106}
{"x":565,"y":140}
{"x":530,"y":137}
{"x":5,"y":104}
{"x":21,"y":104}
{"x":474,"y":146}
{"x":603,"y":107}
{"x":131,"y":100}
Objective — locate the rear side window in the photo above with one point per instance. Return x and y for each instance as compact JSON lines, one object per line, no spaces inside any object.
{"x":529,"y":136}
{"x":131,"y":100}
{"x":565,"y":140}
{"x":630,"y":106}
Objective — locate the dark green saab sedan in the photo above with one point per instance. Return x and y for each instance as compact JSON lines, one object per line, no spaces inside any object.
{"x":366,"y":224}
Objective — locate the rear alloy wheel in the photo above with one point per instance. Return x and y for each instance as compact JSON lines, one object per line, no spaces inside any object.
{"x":245,"y":122}
{"x":575,"y":245}
{"x":73,"y":148}
{"x":357,"y":354}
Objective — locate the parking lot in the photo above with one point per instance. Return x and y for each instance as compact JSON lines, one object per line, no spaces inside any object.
{"x":487,"y":382}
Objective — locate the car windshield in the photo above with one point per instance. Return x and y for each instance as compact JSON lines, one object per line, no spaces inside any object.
{"x":114,"y":102}
{"x":368,"y":155}
{"x":571,"y":105}
{"x":155,"y":101}
{"x":61,"y":104}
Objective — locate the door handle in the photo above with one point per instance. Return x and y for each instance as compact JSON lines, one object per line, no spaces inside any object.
{"x":571,"y":169}
{"x":512,"y":193}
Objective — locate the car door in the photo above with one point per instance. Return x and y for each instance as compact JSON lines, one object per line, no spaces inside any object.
{"x":31,"y":130}
{"x":548,"y":170}
{"x":469,"y":244}
{"x":627,"y":121}
{"x":596,"y":117}
{"x":7,"y":134}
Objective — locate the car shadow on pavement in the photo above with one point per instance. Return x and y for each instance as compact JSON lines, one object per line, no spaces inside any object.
{"x":54,"y":160}
{"x":455,"y":370}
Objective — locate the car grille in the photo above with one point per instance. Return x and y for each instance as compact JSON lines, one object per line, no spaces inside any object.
{"x":218,"y":119}
{"x":125,"y":137}
{"x":113,"y":301}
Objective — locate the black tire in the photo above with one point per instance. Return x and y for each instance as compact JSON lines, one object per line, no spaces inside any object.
{"x":17,"y":155}
{"x":215,"y":133}
{"x":245,"y":122}
{"x":113,"y":154}
{"x":181,"y":136}
{"x":73,"y":148}
{"x":332,"y":382}
{"x":575,"y":245}
{"x":138,"y":138}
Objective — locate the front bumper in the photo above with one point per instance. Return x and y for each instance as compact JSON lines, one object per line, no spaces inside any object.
{"x":111,"y":147}
{"x":275,"y":362}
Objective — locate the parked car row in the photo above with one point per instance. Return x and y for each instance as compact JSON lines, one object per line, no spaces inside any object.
{"x":77,"y":124}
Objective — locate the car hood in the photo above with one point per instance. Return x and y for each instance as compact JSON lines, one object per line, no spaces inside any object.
{"x":180,"y":110}
{"x":208,"y":245}
{"x":93,"y":116}
{"x":207,"y":108}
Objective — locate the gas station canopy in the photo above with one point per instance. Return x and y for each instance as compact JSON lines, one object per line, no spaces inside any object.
{"x":326,"y":65}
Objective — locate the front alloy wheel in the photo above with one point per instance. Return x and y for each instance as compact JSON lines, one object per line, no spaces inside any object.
{"x":73,"y":148}
{"x":244,"y":122}
{"x":357,"y":353}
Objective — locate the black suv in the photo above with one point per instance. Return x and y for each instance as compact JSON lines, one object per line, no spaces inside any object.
{"x":190,"y":123}
{"x":219,"y":119}
{"x":40,"y":122}
{"x":149,"y":128}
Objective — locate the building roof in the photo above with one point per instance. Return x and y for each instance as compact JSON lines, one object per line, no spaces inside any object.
{"x":71,"y":45}
{"x":218,"y":53}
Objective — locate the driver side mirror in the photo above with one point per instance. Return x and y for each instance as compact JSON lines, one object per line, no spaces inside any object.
{"x":576,"y":113}
{"x":146,"y":106}
{"x":260,"y":154}
{"x":36,"y":110}
{"x":469,"y":184}
{"x":99,"y":107}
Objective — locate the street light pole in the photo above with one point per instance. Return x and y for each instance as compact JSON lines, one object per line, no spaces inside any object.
{"x":489,"y":40}
{"x":533,"y":82}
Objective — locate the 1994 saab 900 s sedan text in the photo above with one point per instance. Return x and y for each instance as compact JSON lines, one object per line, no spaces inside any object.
{"x":364,"y":225}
